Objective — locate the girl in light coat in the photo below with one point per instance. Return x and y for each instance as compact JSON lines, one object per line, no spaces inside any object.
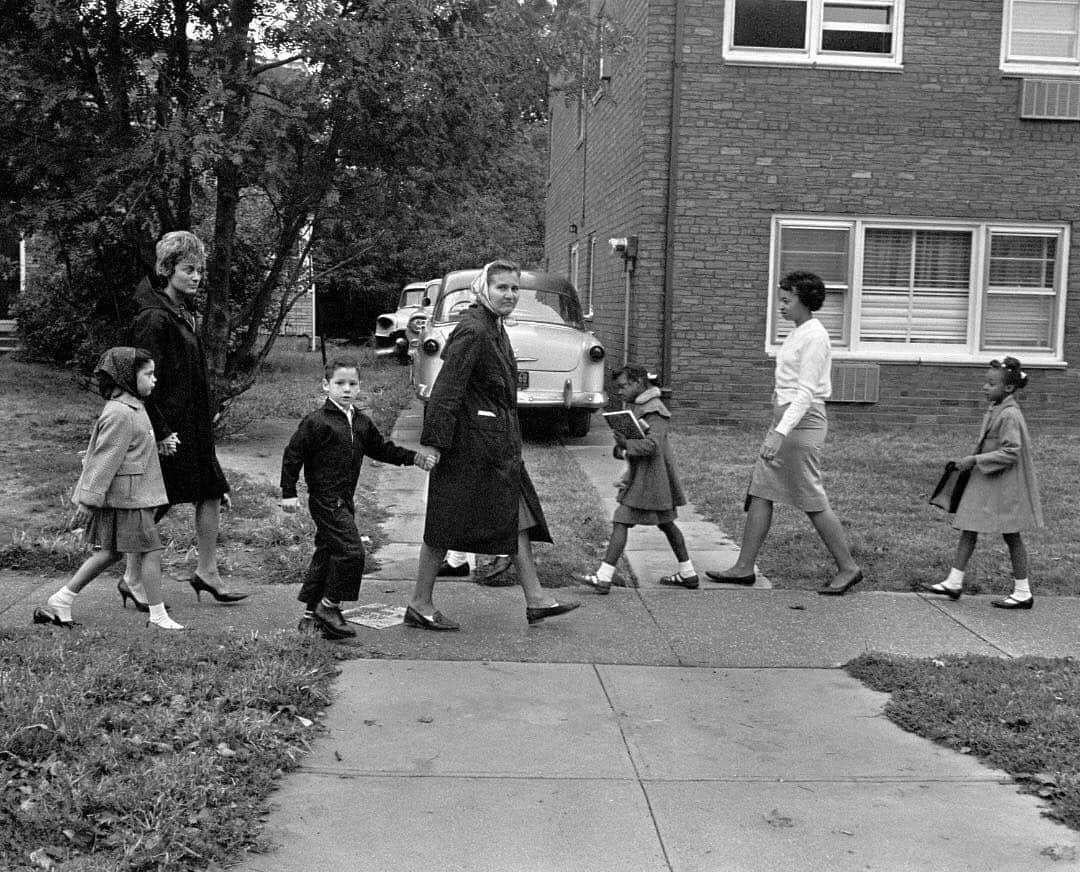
{"x":1001,"y":496}
{"x":119,"y":488}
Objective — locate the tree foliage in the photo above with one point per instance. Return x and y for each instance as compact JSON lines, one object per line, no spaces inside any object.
{"x":341,"y":127}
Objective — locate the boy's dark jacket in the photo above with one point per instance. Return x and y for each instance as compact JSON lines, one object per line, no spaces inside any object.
{"x":330,"y":458}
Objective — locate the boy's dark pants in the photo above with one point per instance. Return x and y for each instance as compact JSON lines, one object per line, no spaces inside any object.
{"x":338,"y":562}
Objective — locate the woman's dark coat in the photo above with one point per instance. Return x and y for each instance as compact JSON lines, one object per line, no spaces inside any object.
{"x":471,"y":417}
{"x":180,"y":402}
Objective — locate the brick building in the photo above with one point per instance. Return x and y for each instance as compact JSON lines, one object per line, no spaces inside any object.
{"x":921,"y":155}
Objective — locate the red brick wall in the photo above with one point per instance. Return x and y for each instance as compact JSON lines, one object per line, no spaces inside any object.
{"x":942,"y":138}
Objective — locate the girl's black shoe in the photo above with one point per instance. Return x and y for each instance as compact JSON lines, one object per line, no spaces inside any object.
{"x":1010,"y":603}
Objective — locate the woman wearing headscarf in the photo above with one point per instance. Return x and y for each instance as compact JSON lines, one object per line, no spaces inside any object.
{"x":480,"y":496}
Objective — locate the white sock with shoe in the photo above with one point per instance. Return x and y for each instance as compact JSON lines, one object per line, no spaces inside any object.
{"x":686,"y":569}
{"x":61,"y":603}
{"x":1021,"y":590}
{"x":955,"y":579}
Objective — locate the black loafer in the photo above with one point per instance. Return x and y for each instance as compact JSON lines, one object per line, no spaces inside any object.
{"x":330,"y":621}
{"x":1010,"y":603}
{"x":840,"y":589}
{"x":437,"y":621}
{"x":941,"y":590}
{"x":745,"y":580}
{"x":497,"y":573}
{"x":448,"y":571}
{"x":532,"y":615}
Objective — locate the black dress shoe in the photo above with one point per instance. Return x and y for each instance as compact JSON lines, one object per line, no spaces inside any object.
{"x":745,"y":580}
{"x":532,"y":615}
{"x":841,"y":584}
{"x":437,"y":621}
{"x":330,"y":621}
{"x":497,"y":573}
{"x":448,"y":571}
{"x":1010,"y":603}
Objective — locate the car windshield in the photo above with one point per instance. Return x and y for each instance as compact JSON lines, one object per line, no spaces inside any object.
{"x":411,"y":299}
{"x":545,"y":307}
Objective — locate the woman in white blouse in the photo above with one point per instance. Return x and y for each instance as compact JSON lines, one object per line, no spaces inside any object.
{"x":787,"y":469}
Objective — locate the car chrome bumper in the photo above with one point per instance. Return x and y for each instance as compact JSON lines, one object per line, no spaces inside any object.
{"x":559,"y":399}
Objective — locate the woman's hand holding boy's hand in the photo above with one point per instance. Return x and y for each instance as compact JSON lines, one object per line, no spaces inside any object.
{"x":290,"y":504}
{"x":620,"y":440}
{"x":427,"y":457}
{"x":965,"y":463}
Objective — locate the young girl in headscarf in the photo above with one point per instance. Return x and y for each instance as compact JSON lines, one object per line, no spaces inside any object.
{"x":119,"y":488}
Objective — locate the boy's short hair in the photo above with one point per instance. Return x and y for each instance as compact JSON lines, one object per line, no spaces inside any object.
{"x":176,"y":246}
{"x":337,"y":363}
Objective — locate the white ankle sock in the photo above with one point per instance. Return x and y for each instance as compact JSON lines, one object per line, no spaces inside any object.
{"x":62,"y":601}
{"x":686,"y":568}
{"x":955,"y":579}
{"x":158,"y":612}
{"x":606,"y":572}
{"x":1021,"y":589}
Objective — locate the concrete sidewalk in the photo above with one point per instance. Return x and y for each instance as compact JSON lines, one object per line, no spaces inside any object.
{"x":653,"y":729}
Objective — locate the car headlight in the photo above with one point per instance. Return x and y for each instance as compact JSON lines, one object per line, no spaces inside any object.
{"x":385,"y":323}
{"x":596,"y":353}
{"x":431,"y":347}
{"x":416,"y":324}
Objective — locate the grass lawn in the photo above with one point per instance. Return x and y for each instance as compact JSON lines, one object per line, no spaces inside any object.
{"x":1022,"y":716}
{"x":879,"y":481}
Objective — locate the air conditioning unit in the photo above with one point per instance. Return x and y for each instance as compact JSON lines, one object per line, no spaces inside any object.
{"x":1051,"y":99}
{"x":855,"y":382}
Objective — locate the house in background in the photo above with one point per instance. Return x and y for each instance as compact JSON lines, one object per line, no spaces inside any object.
{"x":920,"y":155}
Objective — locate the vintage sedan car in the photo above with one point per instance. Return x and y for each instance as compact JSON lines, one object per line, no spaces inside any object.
{"x":398,"y":332}
{"x":560,"y":362}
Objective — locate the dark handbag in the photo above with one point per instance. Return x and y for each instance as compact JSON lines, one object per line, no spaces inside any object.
{"x":950,"y":488}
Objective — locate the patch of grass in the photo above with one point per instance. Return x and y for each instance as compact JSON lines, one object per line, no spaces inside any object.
{"x":574,"y":514}
{"x":39,"y":464}
{"x":1020,"y":715}
{"x":879,"y":480}
{"x":127,"y":754}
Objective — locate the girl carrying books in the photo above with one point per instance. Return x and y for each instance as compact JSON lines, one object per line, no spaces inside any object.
{"x":650,"y":491}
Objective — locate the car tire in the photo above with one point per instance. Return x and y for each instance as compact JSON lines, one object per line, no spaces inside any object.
{"x":578,"y":422}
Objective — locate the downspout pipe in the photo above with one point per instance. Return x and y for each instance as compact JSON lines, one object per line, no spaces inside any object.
{"x":671,"y":206}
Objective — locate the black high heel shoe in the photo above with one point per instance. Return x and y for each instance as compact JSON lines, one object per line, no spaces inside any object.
{"x":199,"y":584}
{"x":126,"y":594}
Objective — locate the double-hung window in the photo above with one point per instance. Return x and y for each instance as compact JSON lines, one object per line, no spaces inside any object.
{"x":848,"y":33}
{"x":947,"y":291}
{"x":1041,"y":37}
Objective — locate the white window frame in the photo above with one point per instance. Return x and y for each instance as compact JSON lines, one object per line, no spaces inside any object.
{"x":812,"y":54}
{"x":573,"y":263}
{"x":850,"y":345}
{"x":1031,"y":65}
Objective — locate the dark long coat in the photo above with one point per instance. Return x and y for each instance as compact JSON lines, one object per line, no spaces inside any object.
{"x":180,"y":402}
{"x":471,"y":417}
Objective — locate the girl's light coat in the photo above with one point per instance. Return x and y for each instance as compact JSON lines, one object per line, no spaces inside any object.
{"x":121,"y":469}
{"x":1002,"y":495}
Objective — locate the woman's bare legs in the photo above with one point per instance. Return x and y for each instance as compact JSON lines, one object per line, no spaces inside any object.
{"x":207,"y":526}
{"x":430,"y":559}
{"x":831,"y":532}
{"x":758,"y":521}
{"x":535,"y":597}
